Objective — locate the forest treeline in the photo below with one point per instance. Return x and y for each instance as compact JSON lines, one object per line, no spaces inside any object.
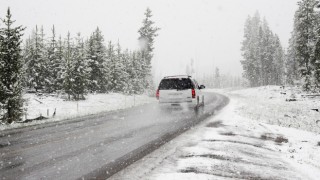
{"x":77,"y":65}
{"x":74,"y":65}
{"x":265,"y":62}
{"x":263,"y":54}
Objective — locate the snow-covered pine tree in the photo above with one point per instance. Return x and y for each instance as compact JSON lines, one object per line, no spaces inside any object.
{"x":147,"y":34}
{"x":127,"y":69}
{"x":60,"y":66}
{"x":67,"y":76}
{"x":97,"y":62}
{"x":2,"y":86}
{"x":250,"y":51}
{"x":92,"y":64}
{"x":79,"y":70}
{"x":305,"y":40}
{"x":46,"y":71}
{"x":53,"y":64}
{"x":104,"y":70}
{"x":136,"y":73}
{"x":36,"y":63}
{"x":11,"y":64}
{"x":262,"y":61}
{"x":121,"y":78}
{"x":113,"y":65}
{"x":266,"y":51}
{"x":316,"y":60}
{"x":278,"y":56}
{"x":291,"y":62}
{"x":27,"y":51}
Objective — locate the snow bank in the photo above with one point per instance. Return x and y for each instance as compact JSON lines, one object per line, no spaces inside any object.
{"x":36,"y":106}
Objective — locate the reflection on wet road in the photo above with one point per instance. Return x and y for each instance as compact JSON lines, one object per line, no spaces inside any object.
{"x":98,"y":145}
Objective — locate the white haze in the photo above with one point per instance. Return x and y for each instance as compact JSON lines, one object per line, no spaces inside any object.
{"x":208,"y":31}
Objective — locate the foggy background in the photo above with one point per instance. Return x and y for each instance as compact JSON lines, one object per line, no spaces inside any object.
{"x":208,"y":31}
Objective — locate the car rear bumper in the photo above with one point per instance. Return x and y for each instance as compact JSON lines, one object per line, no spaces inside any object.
{"x":177,"y":100}
{"x":187,"y":103}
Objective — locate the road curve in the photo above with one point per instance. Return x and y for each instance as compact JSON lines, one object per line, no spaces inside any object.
{"x":96,"y":146}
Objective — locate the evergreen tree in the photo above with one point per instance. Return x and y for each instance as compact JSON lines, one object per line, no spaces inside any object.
{"x":11,"y":64}
{"x":147,"y":34}
{"x":120,"y":74}
{"x":316,"y":60}
{"x":45,"y":63}
{"x":59,"y":66}
{"x":279,"y":64}
{"x":291,"y":63}
{"x":305,"y":39}
{"x":2,"y":86}
{"x":27,"y":52}
{"x":136,"y":73}
{"x":36,"y":62}
{"x":127,"y":71}
{"x":266,"y":51}
{"x":79,"y":70}
{"x":68,"y":80}
{"x":250,"y":44}
{"x":114,"y":67}
{"x":97,"y":62}
{"x":53,"y":64}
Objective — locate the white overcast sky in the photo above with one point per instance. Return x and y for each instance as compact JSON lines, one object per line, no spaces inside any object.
{"x":208,"y":31}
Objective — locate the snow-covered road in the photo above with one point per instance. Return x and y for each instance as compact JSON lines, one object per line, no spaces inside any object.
{"x":231,"y":146}
{"x":96,"y":145}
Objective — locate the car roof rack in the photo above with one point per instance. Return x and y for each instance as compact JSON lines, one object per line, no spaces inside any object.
{"x":178,"y":76}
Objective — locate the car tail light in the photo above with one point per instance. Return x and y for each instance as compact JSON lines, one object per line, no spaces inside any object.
{"x":193,"y":93}
{"x":157,"y":94}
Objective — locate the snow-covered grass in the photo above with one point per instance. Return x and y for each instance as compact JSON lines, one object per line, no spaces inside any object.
{"x":46,"y":105}
{"x":234,"y":144}
{"x":270,"y":104}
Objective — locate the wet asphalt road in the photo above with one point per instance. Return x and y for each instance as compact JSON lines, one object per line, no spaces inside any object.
{"x":96,"y":146}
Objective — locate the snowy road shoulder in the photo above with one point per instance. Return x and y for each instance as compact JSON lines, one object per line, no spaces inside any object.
{"x":57,"y":109}
{"x":231,"y":146}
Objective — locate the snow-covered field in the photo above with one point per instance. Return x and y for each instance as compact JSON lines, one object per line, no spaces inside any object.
{"x":239,"y":143}
{"x":36,"y":106}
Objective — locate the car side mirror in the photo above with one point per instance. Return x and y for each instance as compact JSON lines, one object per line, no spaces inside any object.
{"x":202,"y":87}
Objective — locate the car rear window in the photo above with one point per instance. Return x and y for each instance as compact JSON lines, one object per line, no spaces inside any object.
{"x":175,"y":83}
